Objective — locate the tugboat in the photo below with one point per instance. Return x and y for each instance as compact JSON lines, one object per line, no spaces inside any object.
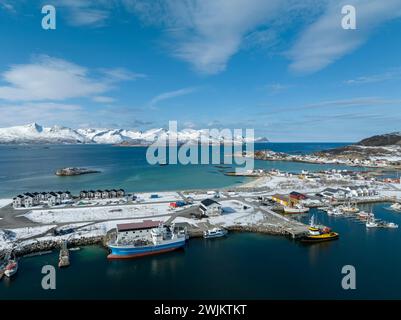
{"x":215,"y":233}
{"x":318,"y":234}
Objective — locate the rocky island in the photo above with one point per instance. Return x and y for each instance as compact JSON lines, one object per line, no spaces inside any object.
{"x":65,"y":172}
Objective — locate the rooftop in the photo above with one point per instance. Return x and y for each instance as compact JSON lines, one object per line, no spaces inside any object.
{"x":146,"y":224}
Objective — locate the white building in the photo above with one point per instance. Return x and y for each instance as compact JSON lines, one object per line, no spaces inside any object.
{"x":209,"y":207}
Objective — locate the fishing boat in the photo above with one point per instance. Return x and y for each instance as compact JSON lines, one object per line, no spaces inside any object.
{"x":11,"y":266}
{"x":318,"y":233}
{"x":145,"y":238}
{"x":215,"y":233}
{"x":295,"y":209}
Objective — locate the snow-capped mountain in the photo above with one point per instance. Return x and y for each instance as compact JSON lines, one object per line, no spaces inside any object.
{"x":37,"y":134}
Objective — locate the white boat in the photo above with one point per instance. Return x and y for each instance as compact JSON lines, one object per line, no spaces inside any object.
{"x":396,"y":207}
{"x":335,"y":212}
{"x":295,"y":209}
{"x":392,"y":225}
{"x":215,"y":233}
{"x":371,"y":222}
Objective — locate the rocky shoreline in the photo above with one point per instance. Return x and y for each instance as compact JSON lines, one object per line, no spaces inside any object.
{"x":49,"y":245}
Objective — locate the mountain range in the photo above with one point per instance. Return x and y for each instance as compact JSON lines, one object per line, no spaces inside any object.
{"x":36,"y":134}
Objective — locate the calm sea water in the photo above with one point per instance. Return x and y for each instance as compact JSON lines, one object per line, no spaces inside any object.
{"x":243,"y":265}
{"x":31,"y":168}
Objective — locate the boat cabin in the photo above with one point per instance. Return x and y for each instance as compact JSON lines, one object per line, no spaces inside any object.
{"x":128,"y":231}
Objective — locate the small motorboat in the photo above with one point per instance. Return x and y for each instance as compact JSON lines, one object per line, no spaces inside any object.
{"x":391,"y":225}
{"x":335,"y":212}
{"x":372,"y":223}
{"x":215,"y":233}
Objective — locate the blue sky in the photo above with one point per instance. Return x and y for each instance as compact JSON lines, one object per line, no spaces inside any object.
{"x":283,"y":67}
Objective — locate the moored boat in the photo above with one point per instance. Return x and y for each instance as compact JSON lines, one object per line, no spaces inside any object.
{"x":371,"y":222}
{"x":146,"y":238}
{"x":350,"y":208}
{"x":365,"y":215}
{"x":296,"y":209}
{"x":11,"y":267}
{"x":215,"y":233}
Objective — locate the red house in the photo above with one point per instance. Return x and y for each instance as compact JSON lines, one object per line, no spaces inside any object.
{"x":297,"y":196}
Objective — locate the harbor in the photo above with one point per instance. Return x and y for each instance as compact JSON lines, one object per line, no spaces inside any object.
{"x":271,"y":204}
{"x":266,"y":205}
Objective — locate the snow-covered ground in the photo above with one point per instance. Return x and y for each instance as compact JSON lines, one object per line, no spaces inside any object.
{"x":5,"y":202}
{"x":98,"y":213}
{"x":198,"y":196}
{"x":9,"y":236}
{"x":27,"y":232}
{"x":161,"y":197}
{"x":234,"y":214}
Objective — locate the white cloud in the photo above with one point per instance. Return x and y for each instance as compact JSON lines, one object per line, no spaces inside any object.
{"x":169,"y":95}
{"x":325,"y":41}
{"x":208,"y":33}
{"x":381,"y":77}
{"x":120,"y":74}
{"x":275,"y":88}
{"x":103,"y":99}
{"x":86,"y":12}
{"x":49,"y":78}
{"x":6,"y":5}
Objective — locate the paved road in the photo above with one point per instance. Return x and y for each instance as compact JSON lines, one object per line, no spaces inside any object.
{"x":10,"y":218}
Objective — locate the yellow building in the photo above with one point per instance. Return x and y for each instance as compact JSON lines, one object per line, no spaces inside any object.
{"x":282,"y":199}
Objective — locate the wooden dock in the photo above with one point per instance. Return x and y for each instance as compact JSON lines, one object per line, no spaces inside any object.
{"x":292,"y":227}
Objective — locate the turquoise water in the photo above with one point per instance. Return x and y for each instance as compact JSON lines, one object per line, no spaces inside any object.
{"x":31,"y":168}
{"x":242,"y":266}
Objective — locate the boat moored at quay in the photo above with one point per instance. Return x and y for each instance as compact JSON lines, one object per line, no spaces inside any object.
{"x":135,"y":240}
